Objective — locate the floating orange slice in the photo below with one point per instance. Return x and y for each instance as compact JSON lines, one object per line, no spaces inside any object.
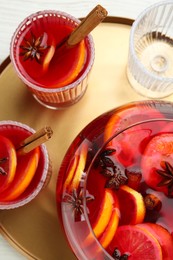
{"x":67,"y":63}
{"x":81,"y":166}
{"x":129,"y":115}
{"x":71,"y":171}
{"x":135,"y":243}
{"x":76,"y":168}
{"x":8,"y":162}
{"x":132,"y":207}
{"x":104,"y":214}
{"x":163,"y":236}
{"x":111,"y":228}
{"x":26,"y":168}
{"x":48,"y":57}
{"x":107,"y":214}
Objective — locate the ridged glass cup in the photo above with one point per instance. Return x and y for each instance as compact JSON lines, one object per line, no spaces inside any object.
{"x":150,"y":59}
{"x":53,"y":97}
{"x":15,"y":131}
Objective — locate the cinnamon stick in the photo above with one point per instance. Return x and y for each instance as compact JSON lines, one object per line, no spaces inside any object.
{"x":35,"y":140}
{"x":96,"y":16}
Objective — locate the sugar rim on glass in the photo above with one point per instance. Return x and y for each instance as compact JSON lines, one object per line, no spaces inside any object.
{"x":44,"y":89}
{"x":32,"y":195}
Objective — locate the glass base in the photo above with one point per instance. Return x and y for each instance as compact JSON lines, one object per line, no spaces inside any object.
{"x":144,"y":91}
{"x":58,"y":106}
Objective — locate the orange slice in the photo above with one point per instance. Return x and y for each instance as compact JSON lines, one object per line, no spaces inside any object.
{"x":81,"y":166}
{"x":132,"y":207}
{"x":48,"y":57}
{"x":163,"y":236}
{"x":8,"y":162}
{"x":111,"y":228}
{"x":71,"y":171}
{"x":104,"y":214}
{"x":127,"y":153}
{"x":67,"y":64}
{"x":128,"y":115}
{"x":26,"y":168}
{"x":76,"y":168}
{"x":136,"y":243}
{"x":103,"y":218}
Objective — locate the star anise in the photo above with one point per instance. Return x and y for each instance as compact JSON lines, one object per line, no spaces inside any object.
{"x":33,"y":48}
{"x":118,"y":256}
{"x":75,"y":200}
{"x":167,"y":177}
{"x":105,"y":161}
{"x":111,"y":170}
{"x":116,"y":181}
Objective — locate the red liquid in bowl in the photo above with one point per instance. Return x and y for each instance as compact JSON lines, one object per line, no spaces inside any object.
{"x":123,"y":199}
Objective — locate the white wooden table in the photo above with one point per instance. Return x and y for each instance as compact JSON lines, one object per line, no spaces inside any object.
{"x":12,"y":12}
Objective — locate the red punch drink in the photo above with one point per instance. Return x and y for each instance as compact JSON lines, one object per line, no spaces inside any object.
{"x":115,"y":187}
{"x":57,"y":76}
{"x":22,"y":176}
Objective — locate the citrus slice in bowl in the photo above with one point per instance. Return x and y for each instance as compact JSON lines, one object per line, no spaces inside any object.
{"x":132,"y":207}
{"x":106,"y":222}
{"x":131,"y":142}
{"x":135,"y":243}
{"x":111,"y":228}
{"x":163,"y":236}
{"x":127,"y":153}
{"x":131,"y":115}
{"x":156,"y":164}
{"x":76,"y":168}
{"x":104,"y":214}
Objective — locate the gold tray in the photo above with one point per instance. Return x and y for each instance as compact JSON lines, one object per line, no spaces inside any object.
{"x":34,"y":229}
